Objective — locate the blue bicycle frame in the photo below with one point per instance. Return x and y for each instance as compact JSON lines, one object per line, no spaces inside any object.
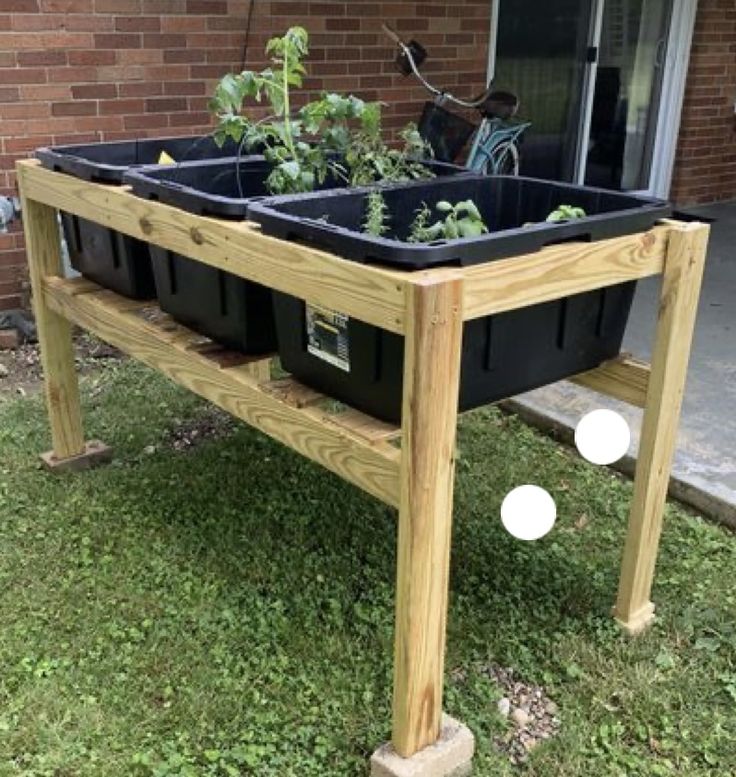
{"x":495,"y":147}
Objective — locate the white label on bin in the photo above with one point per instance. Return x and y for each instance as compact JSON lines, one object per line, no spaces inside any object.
{"x":327,"y":336}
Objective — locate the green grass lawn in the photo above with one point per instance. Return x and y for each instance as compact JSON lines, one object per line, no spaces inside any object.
{"x":228,"y":610}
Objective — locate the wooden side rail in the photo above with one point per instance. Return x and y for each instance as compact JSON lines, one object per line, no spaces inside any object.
{"x":369,"y":293}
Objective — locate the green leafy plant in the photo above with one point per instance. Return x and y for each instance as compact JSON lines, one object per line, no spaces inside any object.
{"x":297,"y":166}
{"x":566,"y":213}
{"x":376,"y":216}
{"x":335,"y":135}
{"x":461,"y":220}
{"x":368,"y":157}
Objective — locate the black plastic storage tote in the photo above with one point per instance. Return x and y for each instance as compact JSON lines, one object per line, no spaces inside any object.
{"x":503,"y":354}
{"x":110,"y":258}
{"x":225,"y":307}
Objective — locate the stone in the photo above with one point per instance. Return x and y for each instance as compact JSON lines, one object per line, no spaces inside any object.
{"x":504,"y":707}
{"x":520,"y":717}
{"x":551,"y":708}
{"x":94,"y":454}
{"x":450,"y":756}
{"x":4,"y":371}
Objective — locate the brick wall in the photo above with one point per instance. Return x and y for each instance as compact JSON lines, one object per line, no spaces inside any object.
{"x":705,"y":166}
{"x":89,"y":70}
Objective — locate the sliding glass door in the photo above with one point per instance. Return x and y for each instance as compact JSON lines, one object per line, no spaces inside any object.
{"x":592,"y":76}
{"x":541,"y":56}
{"x":628,"y":85}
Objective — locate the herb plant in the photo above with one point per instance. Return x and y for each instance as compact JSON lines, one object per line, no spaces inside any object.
{"x":462,"y":220}
{"x":566,"y":213}
{"x":376,"y":216}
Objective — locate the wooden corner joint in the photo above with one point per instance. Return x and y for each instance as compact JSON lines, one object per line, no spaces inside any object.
{"x":94,"y":454}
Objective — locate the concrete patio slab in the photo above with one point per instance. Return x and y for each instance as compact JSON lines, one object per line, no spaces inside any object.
{"x":704,"y":470}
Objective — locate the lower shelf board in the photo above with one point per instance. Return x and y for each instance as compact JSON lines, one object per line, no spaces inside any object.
{"x":351,"y":444}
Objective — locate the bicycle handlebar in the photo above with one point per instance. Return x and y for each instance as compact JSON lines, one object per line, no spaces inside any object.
{"x":475,"y":103}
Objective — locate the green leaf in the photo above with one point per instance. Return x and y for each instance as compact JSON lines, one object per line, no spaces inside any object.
{"x":291,"y":169}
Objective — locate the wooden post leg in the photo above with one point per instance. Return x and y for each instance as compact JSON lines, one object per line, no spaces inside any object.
{"x":681,"y":282}
{"x":57,"y":350}
{"x":431,"y":384}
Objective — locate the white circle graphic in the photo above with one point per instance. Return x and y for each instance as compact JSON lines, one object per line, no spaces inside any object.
{"x":602,"y":436}
{"x":528,"y":512}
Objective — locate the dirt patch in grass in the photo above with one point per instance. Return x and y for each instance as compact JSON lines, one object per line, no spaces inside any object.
{"x":21,"y":372}
{"x":211,"y":424}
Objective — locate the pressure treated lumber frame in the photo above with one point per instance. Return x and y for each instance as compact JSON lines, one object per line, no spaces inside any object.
{"x":428,"y":308}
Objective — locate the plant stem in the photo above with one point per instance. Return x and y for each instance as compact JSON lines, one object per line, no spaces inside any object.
{"x":287,"y":106}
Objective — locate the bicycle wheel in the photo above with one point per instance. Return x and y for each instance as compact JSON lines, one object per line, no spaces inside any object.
{"x":504,"y":160}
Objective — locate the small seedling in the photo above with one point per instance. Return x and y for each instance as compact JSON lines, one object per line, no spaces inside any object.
{"x":462,"y":220}
{"x":566,"y":213}
{"x":376,"y":215}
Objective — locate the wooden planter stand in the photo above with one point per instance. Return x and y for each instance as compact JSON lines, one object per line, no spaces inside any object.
{"x":428,"y":308}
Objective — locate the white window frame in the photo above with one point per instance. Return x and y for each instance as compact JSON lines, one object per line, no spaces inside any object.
{"x":679,"y":43}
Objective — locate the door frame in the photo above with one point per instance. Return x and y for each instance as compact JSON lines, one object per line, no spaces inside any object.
{"x":679,"y":43}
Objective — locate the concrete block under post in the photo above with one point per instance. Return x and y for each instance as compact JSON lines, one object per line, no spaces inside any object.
{"x":450,"y":756}
{"x":95,"y":453}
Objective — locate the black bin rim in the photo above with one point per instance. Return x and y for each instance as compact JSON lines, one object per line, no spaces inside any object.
{"x":150,"y":183}
{"x":66,"y":158}
{"x":420,"y":256}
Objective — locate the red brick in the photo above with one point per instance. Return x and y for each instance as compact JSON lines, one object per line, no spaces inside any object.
{"x":165,"y":104}
{"x":94,"y":91}
{"x":8,"y":94}
{"x":33,"y":92}
{"x":141,"y":89}
{"x":118,"y":40}
{"x":169,"y":40}
{"x":98,"y":123}
{"x":92,"y":57}
{"x":76,"y":108}
{"x":72,"y":75}
{"x":26,"y":111}
{"x":66,"y":6}
{"x":41,"y":57}
{"x":10,"y":302}
{"x":191,"y":119}
{"x":9,"y":338}
{"x":184,"y":88}
{"x":184,"y":55}
{"x":118,"y":6}
{"x":140,"y":121}
{"x":137,"y":23}
{"x":19,"y":6}
{"x":25,"y":75}
{"x":121,"y":107}
{"x":164,"y":6}
{"x":208,"y":7}
{"x":185,"y":23}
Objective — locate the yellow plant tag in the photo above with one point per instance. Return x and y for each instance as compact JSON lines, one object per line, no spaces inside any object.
{"x":165,"y":159}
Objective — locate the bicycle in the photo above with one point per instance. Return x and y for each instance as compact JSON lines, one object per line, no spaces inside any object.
{"x":495,"y":145}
